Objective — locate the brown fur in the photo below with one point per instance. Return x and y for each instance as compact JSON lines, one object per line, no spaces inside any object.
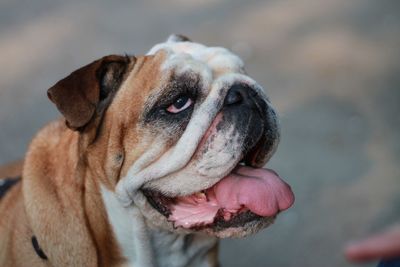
{"x":13,"y":169}
{"x":59,"y":198}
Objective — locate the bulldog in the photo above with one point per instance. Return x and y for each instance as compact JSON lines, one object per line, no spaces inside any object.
{"x":155,"y":158}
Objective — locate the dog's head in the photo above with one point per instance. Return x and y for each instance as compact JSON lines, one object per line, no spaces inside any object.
{"x":181,"y":134}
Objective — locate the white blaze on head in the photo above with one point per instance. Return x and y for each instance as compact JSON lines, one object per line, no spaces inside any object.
{"x":218,"y":69}
{"x":216,"y":60}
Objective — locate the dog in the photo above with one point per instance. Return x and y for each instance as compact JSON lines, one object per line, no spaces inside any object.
{"x":156,"y":157}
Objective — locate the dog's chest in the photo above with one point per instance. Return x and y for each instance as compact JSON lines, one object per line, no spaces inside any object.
{"x":172,"y":249}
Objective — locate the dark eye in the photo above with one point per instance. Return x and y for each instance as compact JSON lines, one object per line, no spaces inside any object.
{"x":180,"y":104}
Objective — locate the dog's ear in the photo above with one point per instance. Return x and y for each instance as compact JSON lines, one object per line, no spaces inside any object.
{"x":87,"y":91}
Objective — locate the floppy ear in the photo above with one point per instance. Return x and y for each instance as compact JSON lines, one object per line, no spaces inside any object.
{"x":87,"y":91}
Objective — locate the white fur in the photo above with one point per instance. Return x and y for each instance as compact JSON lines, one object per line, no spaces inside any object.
{"x":129,"y":229}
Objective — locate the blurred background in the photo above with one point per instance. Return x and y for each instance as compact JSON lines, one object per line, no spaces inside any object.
{"x":331,"y":68}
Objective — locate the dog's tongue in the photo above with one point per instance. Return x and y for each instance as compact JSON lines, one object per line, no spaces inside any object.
{"x":261,"y":191}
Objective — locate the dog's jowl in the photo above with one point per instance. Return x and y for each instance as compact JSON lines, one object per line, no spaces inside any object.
{"x":154,"y":159}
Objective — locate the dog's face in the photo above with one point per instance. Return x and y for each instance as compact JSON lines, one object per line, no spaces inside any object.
{"x":185,"y":132}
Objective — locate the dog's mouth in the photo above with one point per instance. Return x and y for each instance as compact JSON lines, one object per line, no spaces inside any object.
{"x":248,"y":193}
{"x":244,"y":195}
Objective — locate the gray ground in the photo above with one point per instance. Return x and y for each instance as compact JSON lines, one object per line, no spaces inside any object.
{"x":332,"y":69}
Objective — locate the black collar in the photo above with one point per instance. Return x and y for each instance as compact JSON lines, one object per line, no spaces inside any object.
{"x":7,"y":184}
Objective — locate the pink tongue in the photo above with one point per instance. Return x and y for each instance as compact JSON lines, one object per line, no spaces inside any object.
{"x":258,"y":190}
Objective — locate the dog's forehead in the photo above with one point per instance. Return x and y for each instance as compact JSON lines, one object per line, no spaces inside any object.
{"x":190,"y":56}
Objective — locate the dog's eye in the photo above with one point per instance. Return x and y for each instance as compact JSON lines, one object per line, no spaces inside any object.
{"x":180,"y":104}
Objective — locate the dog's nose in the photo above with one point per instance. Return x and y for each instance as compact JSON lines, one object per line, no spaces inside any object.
{"x":236,"y":95}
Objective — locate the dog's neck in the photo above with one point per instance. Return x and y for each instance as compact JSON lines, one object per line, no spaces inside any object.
{"x":138,"y":243}
{"x":114,"y":235}
{"x":145,"y":246}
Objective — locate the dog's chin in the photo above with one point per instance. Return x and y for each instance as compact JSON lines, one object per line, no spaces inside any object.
{"x":241,"y":230}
